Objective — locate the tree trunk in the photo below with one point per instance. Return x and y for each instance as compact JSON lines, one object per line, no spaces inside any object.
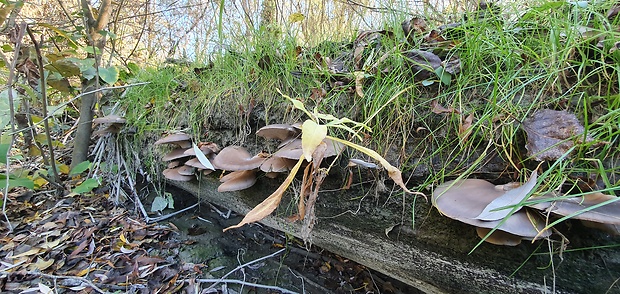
{"x":84,"y":130}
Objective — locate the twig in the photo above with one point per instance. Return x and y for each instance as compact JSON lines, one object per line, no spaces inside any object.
{"x":38,"y":274}
{"x":245,"y":284}
{"x":222,"y":279}
{"x":163,"y":217}
{"x":9,"y":82}
{"x":43,"y":87}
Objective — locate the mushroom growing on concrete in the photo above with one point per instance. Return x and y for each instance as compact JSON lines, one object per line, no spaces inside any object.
{"x":606,"y":214}
{"x":175,"y":154}
{"x":180,"y":139}
{"x":237,"y":180}
{"x":464,"y":200}
{"x":173,"y":174}
{"x":236,"y":158}
{"x":282,"y":132}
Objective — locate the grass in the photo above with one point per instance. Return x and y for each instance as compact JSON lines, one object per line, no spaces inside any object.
{"x":510,"y":67}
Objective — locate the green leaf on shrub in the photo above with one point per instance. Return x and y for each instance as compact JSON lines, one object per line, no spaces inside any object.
{"x":108,"y":75}
{"x":86,"y":186}
{"x":4,"y":148}
{"x":79,"y":168}
{"x":16,"y":182}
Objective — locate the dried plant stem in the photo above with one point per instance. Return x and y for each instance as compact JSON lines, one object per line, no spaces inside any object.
{"x":42,"y":86}
{"x":229,"y":281}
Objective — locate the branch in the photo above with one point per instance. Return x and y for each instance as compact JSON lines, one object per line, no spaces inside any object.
{"x":282,"y":290}
{"x":43,"y":87}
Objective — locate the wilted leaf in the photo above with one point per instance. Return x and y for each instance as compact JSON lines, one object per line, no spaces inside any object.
{"x":268,"y":205}
{"x":551,"y":133}
{"x":394,"y":173}
{"x":510,"y":198}
{"x":202,"y":158}
{"x":41,"y":264}
{"x":43,"y":289}
{"x":86,"y":186}
{"x":438,"y":109}
{"x":465,"y":127}
{"x":65,"y":67}
{"x":359,"y":83}
{"x":63,"y":168}
{"x":423,"y":63}
{"x":312,"y":134}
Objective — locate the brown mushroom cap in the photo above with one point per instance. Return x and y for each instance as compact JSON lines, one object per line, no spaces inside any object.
{"x":206,"y":148}
{"x":195,"y":163}
{"x":175,"y":154}
{"x":173,"y":174}
{"x":292,"y":150}
{"x":277,"y":164}
{"x":280,"y":132}
{"x":186,"y":170}
{"x":236,"y":158}
{"x":110,"y":119}
{"x":464,"y":200}
{"x":237,"y":180}
{"x":499,"y":237}
{"x":180,"y":139}
{"x":606,"y":214}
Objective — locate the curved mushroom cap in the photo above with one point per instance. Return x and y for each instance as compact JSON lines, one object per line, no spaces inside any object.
{"x":499,"y":237}
{"x":195,"y":163}
{"x":292,"y":150}
{"x":464,"y":200}
{"x":206,"y":148}
{"x":237,"y":180}
{"x":606,"y":214}
{"x":175,"y":154}
{"x":180,"y":139}
{"x":277,"y":164}
{"x":110,"y":119}
{"x":173,"y":174}
{"x":333,"y":148}
{"x":236,"y":158}
{"x":280,"y":132}
{"x":186,"y":170}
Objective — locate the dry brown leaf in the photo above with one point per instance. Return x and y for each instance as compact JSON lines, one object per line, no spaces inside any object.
{"x":465,"y":127}
{"x":359,"y":83}
{"x":268,"y":205}
{"x":438,"y":108}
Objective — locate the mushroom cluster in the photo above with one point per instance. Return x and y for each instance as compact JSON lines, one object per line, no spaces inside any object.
{"x":182,"y":161}
{"x":483,"y":205}
{"x":242,"y":165}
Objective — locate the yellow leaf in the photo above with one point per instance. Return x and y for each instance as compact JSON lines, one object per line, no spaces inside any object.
{"x":41,"y":264}
{"x":122,"y":236}
{"x":40,"y":182}
{"x":27,"y":253}
{"x":268,"y":205}
{"x":393,"y":172}
{"x":296,"y":17}
{"x":312,"y":134}
{"x":359,"y":83}
{"x":64,"y":169}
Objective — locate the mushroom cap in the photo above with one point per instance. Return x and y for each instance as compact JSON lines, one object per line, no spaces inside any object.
{"x":464,"y":200}
{"x":206,"y":148}
{"x":110,"y":119}
{"x":195,"y":163}
{"x":181,"y":139}
{"x":186,"y":170}
{"x":277,"y":164}
{"x":173,"y":174}
{"x":236,"y":158}
{"x":499,"y":237}
{"x":606,"y":214}
{"x":280,"y":132}
{"x":237,"y":180}
{"x":174,"y":163}
{"x":175,"y":154}
{"x":333,"y":148}
{"x":292,"y":150}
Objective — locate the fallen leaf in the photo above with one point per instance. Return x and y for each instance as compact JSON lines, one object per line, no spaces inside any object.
{"x":438,"y":108}
{"x":510,"y":198}
{"x":359,"y":83}
{"x":268,"y":205}
{"x":465,"y":127}
{"x":552,"y":133}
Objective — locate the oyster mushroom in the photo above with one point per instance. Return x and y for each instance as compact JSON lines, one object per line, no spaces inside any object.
{"x":282,"y":132}
{"x":499,"y":237}
{"x":182,"y":140}
{"x":465,"y":200}
{"x":113,"y":124}
{"x":237,"y":180}
{"x":236,"y":158}
{"x":175,"y":154}
{"x":606,"y":214}
{"x":277,"y":164}
{"x":173,"y":174}
{"x":186,"y":170}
